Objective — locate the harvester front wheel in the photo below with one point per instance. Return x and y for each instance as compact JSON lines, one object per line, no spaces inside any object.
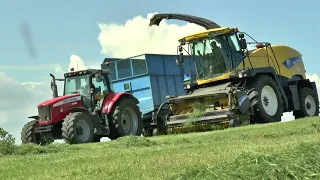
{"x":126,"y":119}
{"x":308,"y":103}
{"x":28,"y":135}
{"x":77,"y":128}
{"x":266,"y":99}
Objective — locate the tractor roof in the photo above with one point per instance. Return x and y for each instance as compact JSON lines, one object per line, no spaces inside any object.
{"x":85,"y":71}
{"x":202,"y":34}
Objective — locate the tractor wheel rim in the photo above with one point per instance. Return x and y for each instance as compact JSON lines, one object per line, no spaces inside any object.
{"x":269,"y":100}
{"x":83,"y":130}
{"x":310,"y":105}
{"x":129,"y":121}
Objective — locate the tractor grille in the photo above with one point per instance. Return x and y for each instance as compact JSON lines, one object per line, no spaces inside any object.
{"x":43,"y":112}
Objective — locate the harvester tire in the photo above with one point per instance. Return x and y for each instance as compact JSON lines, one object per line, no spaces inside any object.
{"x":77,"y":128}
{"x":126,"y":119}
{"x":266,"y":99}
{"x":309,"y":103}
{"x":27,"y":134}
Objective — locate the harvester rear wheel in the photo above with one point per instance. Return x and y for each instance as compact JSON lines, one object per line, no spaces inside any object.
{"x":309,"y":103}
{"x":77,"y":128}
{"x":27,"y":134}
{"x":126,"y":119}
{"x":266,"y":99}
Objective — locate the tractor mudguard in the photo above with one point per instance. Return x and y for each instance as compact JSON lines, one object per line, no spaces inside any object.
{"x":112,"y":98}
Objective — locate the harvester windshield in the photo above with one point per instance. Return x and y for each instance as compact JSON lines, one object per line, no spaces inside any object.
{"x":215,"y":56}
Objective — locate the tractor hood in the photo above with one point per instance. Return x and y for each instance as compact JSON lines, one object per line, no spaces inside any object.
{"x":58,"y":99}
{"x":157,"y":18}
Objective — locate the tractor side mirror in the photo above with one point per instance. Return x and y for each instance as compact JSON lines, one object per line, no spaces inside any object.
{"x":181,"y":60}
{"x":98,"y":77}
{"x":243,"y":43}
{"x":241,"y":35}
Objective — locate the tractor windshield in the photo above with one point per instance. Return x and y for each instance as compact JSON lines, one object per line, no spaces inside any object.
{"x":80,"y":84}
{"x":77,"y":84}
{"x":214,"y":56}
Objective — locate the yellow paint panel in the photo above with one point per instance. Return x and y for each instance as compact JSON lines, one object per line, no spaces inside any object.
{"x":203,"y":34}
{"x":258,"y":58}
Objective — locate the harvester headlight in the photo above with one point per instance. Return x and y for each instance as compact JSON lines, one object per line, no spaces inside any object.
{"x":47,"y":118}
{"x":188,"y":86}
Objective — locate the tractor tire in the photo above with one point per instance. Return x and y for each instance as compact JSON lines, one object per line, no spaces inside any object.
{"x":77,"y":128}
{"x":27,"y":134}
{"x":309,"y":103}
{"x":266,"y":99}
{"x":126,"y":119}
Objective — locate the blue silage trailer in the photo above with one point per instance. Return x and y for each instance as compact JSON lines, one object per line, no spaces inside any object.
{"x":149,"y":77}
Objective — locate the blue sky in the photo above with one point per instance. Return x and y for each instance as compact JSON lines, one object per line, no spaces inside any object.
{"x":61,"y":28}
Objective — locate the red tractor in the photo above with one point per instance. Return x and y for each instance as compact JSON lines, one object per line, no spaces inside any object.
{"x":87,"y":111}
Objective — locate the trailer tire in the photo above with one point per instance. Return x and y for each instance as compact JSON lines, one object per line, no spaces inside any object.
{"x":309,"y":103}
{"x":77,"y":121}
{"x":125,"y":112}
{"x":27,"y":134}
{"x":266,"y":99}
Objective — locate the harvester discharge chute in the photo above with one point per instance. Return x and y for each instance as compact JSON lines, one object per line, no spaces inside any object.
{"x":230,"y":83}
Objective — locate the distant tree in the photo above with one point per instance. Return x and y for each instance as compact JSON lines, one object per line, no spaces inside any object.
{"x":5,"y":136}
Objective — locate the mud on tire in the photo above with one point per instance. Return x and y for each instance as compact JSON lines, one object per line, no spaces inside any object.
{"x":309,"y":103}
{"x":266,"y":99}
{"x":125,"y":119}
{"x":77,"y":128}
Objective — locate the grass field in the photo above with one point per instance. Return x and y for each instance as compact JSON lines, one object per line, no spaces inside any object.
{"x":288,"y":150}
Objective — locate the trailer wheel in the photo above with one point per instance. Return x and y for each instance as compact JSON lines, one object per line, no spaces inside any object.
{"x":266,"y":99}
{"x":27,"y":134}
{"x":77,"y":128}
{"x":126,"y":119}
{"x":308,"y":102}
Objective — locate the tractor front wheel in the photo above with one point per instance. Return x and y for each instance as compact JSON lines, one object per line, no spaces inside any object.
{"x":28,"y":135}
{"x":77,"y":128}
{"x":126,"y":119}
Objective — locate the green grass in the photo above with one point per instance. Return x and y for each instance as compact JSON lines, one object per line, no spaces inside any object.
{"x":288,"y":150}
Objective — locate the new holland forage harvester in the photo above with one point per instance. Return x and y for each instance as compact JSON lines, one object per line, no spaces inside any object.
{"x":234,"y":84}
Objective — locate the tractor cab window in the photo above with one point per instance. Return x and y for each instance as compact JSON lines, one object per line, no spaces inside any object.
{"x":99,"y":84}
{"x":76,"y":84}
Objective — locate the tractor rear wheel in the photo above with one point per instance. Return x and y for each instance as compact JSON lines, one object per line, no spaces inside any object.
{"x":309,"y":103}
{"x":77,"y":128}
{"x":126,"y":119}
{"x":27,"y":134}
{"x":266,"y":99}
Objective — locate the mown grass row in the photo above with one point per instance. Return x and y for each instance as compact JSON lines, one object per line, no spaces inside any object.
{"x":271,"y":151}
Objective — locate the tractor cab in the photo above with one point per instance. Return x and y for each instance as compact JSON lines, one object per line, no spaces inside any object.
{"x":214,"y":53}
{"x":93,"y":85}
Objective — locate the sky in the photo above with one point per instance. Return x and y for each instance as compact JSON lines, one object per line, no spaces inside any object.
{"x":39,"y":38}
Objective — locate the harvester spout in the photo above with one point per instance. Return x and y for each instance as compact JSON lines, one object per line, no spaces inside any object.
{"x":207,"y":24}
{"x":54,"y":86}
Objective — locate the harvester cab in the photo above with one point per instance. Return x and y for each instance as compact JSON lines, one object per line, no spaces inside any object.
{"x":233,"y":84}
{"x":87,"y":111}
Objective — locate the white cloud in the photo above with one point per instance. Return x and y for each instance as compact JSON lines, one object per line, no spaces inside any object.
{"x":18,"y":101}
{"x":77,"y":63}
{"x":136,"y":37}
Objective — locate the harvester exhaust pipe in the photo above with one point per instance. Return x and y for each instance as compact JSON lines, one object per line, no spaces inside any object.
{"x":206,"y":23}
{"x":54,"y":86}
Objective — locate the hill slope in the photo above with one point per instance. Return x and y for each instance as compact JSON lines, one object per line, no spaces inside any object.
{"x":271,"y":151}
